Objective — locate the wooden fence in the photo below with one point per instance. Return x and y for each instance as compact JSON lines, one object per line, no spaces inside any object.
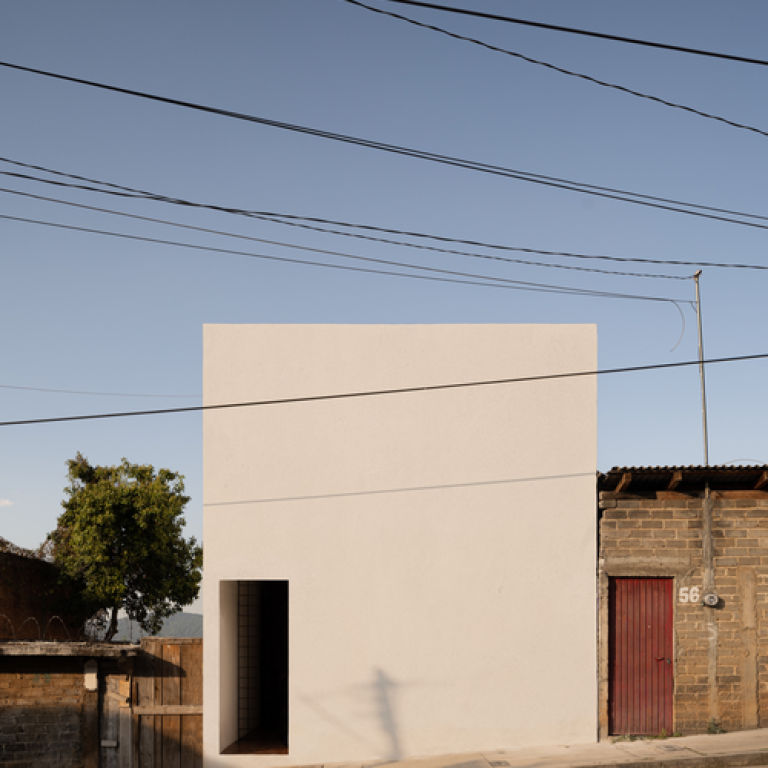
{"x":154,"y":718}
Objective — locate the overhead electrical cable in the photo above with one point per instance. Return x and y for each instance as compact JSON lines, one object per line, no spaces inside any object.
{"x":562,"y":70}
{"x":498,"y":282}
{"x":163,"y":198}
{"x":83,"y":392}
{"x":380,"y":392}
{"x":290,"y":221}
{"x":400,"y":243}
{"x":588,"y":33}
{"x":298,"y":221}
{"x":548,"y":181}
{"x":110,"y":190}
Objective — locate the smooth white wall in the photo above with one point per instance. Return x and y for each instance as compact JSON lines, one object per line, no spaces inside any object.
{"x":227,"y":666}
{"x":439,"y":545}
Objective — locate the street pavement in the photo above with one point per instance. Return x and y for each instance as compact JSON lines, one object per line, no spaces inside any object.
{"x":746,"y":748}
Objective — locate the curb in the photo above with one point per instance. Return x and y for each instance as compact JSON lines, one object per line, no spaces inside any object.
{"x":738,"y":760}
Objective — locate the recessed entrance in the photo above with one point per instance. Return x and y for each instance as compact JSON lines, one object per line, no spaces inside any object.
{"x":262,"y":668}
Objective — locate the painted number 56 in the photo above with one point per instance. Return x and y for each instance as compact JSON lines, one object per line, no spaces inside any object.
{"x":689,"y":594}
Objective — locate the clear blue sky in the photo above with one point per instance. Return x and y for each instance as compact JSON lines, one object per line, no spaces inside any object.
{"x":93,"y":313}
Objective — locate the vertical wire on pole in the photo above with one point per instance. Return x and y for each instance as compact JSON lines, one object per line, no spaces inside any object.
{"x":701,"y":371}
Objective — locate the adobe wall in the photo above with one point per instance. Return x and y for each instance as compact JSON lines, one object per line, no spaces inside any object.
{"x":721,"y":653}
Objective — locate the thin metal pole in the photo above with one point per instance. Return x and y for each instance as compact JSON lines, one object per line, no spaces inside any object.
{"x":701,"y":371}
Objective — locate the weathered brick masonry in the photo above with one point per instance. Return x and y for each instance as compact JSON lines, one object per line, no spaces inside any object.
{"x":44,"y":710}
{"x":86,"y":704}
{"x":654,"y":525}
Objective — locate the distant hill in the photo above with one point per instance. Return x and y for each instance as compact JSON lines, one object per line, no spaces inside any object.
{"x":179,"y":625}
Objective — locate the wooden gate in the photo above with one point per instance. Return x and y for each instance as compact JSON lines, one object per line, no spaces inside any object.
{"x":168,"y":704}
{"x":641,"y":656}
{"x":115,"y":718}
{"x":151,"y":716}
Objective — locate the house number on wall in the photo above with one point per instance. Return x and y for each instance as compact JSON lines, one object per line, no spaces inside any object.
{"x":689,"y":594}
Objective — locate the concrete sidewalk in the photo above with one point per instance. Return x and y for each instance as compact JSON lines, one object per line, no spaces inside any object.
{"x":746,"y":748}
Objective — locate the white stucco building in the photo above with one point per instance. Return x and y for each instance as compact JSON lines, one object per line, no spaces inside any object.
{"x":398,"y":574}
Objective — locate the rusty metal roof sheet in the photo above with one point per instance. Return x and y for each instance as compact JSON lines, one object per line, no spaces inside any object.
{"x":685,"y":478}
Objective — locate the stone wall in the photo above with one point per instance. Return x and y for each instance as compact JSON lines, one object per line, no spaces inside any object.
{"x":721,"y":652}
{"x":47,"y":718}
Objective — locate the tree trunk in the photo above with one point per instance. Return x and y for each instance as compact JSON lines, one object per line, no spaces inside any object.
{"x":112,"y":631}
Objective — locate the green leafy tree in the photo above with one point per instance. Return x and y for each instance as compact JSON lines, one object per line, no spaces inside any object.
{"x":120,"y":538}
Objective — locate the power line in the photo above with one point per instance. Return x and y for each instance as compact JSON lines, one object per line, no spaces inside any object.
{"x":588,"y":33}
{"x":379,"y":392}
{"x":562,"y":70}
{"x":499,"y":282}
{"x":609,"y":193}
{"x":180,"y":201}
{"x":337,"y":253}
{"x":296,"y":220}
{"x":299,"y":221}
{"x":82,"y":392}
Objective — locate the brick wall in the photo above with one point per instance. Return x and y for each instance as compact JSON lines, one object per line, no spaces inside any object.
{"x":662,"y":537}
{"x":44,"y":711}
{"x":33,"y":606}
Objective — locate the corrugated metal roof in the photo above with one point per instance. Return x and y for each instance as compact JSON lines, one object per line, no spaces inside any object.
{"x":676,"y":467}
{"x":685,"y":478}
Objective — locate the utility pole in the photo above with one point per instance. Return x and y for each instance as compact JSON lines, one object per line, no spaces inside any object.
{"x":701,"y":371}
{"x":707,"y":542}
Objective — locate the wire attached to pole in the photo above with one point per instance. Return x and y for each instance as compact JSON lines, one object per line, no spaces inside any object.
{"x":696,"y":276}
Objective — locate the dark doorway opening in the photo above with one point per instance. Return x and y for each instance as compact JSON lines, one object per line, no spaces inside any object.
{"x":262,"y":668}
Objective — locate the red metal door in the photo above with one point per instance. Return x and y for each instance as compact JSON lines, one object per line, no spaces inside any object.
{"x":640,"y":656}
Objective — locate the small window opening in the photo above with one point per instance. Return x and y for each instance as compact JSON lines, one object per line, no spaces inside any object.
{"x":262,"y":668}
